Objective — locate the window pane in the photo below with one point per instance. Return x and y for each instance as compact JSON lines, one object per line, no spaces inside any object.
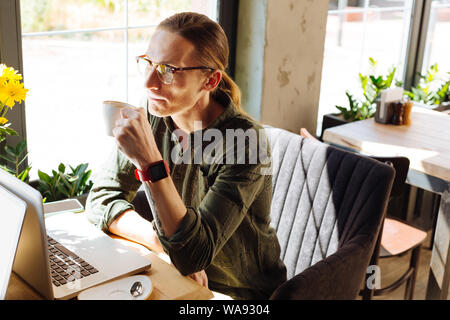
{"x":70,"y":67}
{"x":438,"y":46}
{"x":362,"y":29}
{"x":143,"y":13}
{"x":51,"y":15}
{"x":138,"y":40}
{"x":68,"y":78}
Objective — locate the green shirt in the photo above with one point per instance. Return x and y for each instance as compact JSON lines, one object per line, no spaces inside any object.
{"x":226,"y":230}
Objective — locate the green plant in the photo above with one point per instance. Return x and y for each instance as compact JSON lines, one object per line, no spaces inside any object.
{"x":62,"y":185}
{"x":4,"y":131}
{"x":433,"y":87}
{"x":371,"y":85}
{"x":15,"y":157}
{"x":12,"y":92}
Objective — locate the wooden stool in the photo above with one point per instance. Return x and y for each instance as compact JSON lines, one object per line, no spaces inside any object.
{"x":399,"y":238}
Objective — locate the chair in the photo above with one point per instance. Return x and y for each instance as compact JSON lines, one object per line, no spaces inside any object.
{"x":397,"y":238}
{"x":327,"y":209}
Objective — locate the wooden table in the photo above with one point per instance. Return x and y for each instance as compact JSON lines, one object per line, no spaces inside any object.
{"x":168,"y":283}
{"x":426,"y":142}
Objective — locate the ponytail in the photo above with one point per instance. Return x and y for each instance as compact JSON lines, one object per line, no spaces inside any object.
{"x":228,"y":86}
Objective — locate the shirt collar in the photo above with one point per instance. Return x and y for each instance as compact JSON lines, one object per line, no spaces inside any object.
{"x":230,"y":112}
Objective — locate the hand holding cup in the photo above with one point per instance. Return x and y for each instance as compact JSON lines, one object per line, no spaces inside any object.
{"x":134,"y":137}
{"x":111,"y":113}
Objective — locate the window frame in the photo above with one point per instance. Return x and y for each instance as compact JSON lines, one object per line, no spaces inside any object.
{"x":227,"y":14}
{"x":416,"y":42}
{"x":11,"y":55}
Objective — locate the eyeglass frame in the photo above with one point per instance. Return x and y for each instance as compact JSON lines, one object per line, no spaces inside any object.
{"x":172,"y":69}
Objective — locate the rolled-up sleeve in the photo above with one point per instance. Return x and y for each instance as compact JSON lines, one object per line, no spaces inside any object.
{"x":204,"y":230}
{"x":114,"y":188}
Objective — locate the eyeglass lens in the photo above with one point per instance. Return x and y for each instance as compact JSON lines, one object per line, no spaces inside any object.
{"x":164,"y":73}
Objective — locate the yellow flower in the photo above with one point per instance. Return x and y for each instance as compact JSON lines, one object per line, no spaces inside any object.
{"x":11,"y":92}
{"x":2,"y":80}
{"x":2,"y":67}
{"x":3,"y":120}
{"x":3,"y":94}
{"x":9,"y":74}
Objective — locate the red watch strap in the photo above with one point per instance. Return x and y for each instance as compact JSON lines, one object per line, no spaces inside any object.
{"x":145,"y":175}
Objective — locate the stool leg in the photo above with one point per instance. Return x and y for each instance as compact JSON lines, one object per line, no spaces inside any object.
{"x":414,"y":264}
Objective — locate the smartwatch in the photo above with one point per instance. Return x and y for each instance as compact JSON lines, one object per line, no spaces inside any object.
{"x":153,"y":172}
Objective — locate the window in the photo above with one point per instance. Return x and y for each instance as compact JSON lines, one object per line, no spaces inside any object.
{"x":76,"y":54}
{"x":437,"y":46}
{"x":357,"y":30}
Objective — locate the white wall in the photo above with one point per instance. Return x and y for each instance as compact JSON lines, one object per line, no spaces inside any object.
{"x":279,"y":60}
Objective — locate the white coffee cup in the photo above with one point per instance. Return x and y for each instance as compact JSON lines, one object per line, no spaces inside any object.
{"x":111,"y":113}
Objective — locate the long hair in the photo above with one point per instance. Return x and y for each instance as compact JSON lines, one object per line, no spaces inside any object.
{"x":211,"y":43}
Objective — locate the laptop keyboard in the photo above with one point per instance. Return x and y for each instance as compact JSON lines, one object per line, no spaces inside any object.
{"x":65,"y":265}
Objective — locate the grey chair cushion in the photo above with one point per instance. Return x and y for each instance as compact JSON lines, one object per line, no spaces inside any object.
{"x":323,"y":199}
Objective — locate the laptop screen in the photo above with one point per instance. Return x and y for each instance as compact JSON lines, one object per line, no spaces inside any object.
{"x":12,"y":213}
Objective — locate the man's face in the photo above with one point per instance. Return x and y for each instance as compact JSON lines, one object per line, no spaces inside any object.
{"x":187,"y":86}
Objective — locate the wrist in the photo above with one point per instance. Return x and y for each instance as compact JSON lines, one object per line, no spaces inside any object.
{"x":153,"y":172}
{"x":142,"y":163}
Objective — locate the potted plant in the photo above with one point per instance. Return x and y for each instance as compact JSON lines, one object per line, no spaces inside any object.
{"x":12,"y":91}
{"x":61,"y":185}
{"x":432,"y":90}
{"x":360,"y":109}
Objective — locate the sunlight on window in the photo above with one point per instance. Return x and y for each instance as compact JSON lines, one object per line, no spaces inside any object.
{"x":437,"y":46}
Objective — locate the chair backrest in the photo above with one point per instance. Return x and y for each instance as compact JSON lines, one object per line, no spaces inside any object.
{"x":323,"y":198}
{"x":401,"y":166}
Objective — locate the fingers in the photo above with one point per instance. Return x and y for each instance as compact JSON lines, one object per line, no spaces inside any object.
{"x":128,"y":112}
{"x":122,"y":122}
{"x":132,"y":113}
{"x":132,"y":121}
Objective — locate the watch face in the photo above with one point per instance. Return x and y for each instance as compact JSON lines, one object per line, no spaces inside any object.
{"x":158,"y":171}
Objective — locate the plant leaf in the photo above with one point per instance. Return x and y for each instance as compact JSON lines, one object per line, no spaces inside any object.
{"x":23,"y":159}
{"x":4,"y":157}
{"x":389,"y":79}
{"x":45,"y":177}
{"x":7,"y":169}
{"x":10,"y":150}
{"x":61,"y":168}
{"x":20,"y":147}
{"x":24,"y":174}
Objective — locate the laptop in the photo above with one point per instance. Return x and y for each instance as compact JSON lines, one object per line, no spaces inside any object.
{"x":12,"y":214}
{"x":64,"y":254}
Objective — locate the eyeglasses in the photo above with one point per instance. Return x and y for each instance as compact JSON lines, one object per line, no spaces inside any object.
{"x":165,"y":72}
